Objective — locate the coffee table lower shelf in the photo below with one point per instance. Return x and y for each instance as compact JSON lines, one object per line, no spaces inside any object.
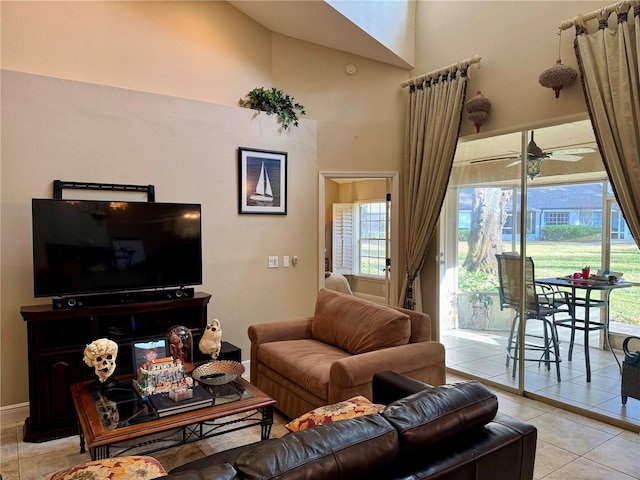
{"x":252,"y":408}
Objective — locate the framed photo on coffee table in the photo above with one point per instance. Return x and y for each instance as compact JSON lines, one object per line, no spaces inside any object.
{"x":146,"y":351}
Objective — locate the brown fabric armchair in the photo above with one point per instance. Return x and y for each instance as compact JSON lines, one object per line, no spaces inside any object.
{"x":308,"y":362}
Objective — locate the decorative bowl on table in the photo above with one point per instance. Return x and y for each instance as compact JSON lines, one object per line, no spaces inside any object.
{"x":218,"y":372}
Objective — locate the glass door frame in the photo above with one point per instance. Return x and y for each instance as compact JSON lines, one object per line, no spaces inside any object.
{"x":448,"y":256}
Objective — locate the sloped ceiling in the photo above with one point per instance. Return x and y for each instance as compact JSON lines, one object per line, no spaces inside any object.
{"x":319,"y":23}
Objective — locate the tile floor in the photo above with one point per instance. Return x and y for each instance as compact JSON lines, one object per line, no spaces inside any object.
{"x":570,"y":446}
{"x":483,"y":354}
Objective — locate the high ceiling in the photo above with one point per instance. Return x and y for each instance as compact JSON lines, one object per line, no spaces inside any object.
{"x":319,"y":23}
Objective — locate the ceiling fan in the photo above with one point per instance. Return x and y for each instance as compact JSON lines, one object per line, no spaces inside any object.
{"x":535,"y":157}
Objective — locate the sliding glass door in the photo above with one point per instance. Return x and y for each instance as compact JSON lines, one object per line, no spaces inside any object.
{"x":565,"y":218}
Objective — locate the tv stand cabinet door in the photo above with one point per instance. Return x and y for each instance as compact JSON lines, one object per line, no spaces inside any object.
{"x":56,"y":343}
{"x":55,"y":416}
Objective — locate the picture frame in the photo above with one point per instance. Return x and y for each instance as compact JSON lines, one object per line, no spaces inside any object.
{"x":147,"y":350}
{"x":262,"y":181}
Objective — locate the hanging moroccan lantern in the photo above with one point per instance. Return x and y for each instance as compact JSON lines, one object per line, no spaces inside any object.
{"x":558,"y":77}
{"x":478,"y":108}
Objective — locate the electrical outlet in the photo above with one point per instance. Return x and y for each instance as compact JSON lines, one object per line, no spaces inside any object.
{"x":273,"y":261}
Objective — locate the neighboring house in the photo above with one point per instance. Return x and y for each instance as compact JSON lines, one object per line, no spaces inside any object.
{"x":579,"y":204}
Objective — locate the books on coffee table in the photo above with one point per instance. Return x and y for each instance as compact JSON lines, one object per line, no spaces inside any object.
{"x":164,"y":405}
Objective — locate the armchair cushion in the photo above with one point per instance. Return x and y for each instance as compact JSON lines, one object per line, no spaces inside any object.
{"x":306,"y":362}
{"x":360,"y":328}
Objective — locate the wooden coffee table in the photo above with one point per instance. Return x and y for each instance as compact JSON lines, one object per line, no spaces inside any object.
{"x":117,"y":421}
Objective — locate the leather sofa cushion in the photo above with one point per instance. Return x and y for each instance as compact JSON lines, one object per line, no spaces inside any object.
{"x":436,"y":413}
{"x":356,"y":325}
{"x":339,"y":450}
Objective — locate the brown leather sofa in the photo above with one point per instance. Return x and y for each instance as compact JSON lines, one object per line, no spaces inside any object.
{"x":449,"y":432}
{"x":308,"y":362}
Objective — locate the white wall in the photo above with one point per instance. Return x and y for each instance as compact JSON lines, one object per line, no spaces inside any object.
{"x":201,"y":50}
{"x":102,"y":124}
{"x":517,"y":42}
{"x":63,"y":129}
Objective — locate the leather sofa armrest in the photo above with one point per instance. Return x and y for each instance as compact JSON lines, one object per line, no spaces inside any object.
{"x":353,"y":375}
{"x":291,"y":329}
{"x":390,"y":386}
{"x":437,"y":413}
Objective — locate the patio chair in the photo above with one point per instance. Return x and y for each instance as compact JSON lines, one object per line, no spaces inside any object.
{"x":539,"y":305}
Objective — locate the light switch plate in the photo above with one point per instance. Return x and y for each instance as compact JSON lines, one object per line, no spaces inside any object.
{"x":273,"y":261}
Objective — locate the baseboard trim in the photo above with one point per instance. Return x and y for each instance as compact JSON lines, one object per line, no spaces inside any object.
{"x":17,"y":413}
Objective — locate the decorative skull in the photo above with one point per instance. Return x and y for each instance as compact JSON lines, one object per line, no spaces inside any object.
{"x":101,"y":354}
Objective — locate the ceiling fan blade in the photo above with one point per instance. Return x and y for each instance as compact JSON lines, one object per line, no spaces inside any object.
{"x":565,"y":158}
{"x":517,"y":162}
{"x":570,"y":151}
{"x":495,"y":159}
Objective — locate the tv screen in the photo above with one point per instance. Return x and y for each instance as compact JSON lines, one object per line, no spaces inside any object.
{"x":92,"y":246}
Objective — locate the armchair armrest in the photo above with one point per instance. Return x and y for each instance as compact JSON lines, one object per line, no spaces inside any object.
{"x":353,"y":375}
{"x":291,"y":329}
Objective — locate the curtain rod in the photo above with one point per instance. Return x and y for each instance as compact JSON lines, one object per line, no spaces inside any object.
{"x":608,"y":10}
{"x":420,"y":78}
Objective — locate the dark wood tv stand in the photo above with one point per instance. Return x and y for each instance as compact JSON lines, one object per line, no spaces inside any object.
{"x":56,"y":343}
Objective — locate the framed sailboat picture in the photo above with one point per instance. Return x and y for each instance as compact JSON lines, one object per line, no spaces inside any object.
{"x":262,"y":176}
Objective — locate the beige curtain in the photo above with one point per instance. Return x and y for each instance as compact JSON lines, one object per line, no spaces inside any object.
{"x":608,"y":61}
{"x":434,"y":114}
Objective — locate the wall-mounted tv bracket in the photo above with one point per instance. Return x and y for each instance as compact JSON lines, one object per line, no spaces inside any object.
{"x":59,"y":185}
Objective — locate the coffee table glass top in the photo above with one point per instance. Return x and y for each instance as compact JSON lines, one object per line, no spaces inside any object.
{"x":121,"y":406}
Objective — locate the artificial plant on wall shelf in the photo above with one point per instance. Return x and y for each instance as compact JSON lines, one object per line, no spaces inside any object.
{"x":274,"y":101}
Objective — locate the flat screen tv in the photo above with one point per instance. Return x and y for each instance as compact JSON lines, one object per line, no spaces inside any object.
{"x":93,"y":246}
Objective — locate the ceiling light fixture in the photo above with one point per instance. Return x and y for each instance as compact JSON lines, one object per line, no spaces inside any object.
{"x":535,"y":157}
{"x":534,"y":165}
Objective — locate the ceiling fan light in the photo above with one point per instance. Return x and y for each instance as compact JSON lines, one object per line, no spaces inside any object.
{"x":534,"y":165}
{"x":558,"y":77}
{"x":478,"y":108}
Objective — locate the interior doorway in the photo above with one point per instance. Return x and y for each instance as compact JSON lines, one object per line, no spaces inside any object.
{"x":371,"y":196}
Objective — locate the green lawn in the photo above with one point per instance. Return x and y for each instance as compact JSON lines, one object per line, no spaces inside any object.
{"x":560,"y":258}
{"x":553,"y":259}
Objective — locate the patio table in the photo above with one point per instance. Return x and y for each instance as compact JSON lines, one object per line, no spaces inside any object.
{"x":586,"y":324}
